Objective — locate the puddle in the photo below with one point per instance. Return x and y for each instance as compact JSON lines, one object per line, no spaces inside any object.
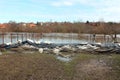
{"x":63,"y":59}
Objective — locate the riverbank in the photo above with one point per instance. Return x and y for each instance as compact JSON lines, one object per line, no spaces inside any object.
{"x":46,"y":67}
{"x":61,"y":49}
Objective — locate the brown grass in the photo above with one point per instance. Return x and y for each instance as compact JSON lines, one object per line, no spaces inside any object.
{"x":30,"y":67}
{"x":97,"y":67}
{"x":45,"y":67}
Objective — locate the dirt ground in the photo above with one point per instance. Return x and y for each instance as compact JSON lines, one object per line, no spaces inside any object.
{"x":98,"y":67}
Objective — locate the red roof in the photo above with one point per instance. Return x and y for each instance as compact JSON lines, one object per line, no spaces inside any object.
{"x":2,"y":26}
{"x":32,"y":25}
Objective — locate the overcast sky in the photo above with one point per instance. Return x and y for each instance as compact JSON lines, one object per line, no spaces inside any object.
{"x":59,"y":10}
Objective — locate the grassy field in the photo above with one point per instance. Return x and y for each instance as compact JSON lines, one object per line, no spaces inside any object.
{"x":46,"y":67}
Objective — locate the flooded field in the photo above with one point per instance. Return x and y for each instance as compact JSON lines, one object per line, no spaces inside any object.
{"x":57,"y":38}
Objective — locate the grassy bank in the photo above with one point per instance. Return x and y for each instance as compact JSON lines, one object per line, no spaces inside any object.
{"x":30,"y":67}
{"x":46,"y":67}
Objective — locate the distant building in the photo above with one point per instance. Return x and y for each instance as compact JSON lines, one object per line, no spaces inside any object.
{"x":31,"y":25}
{"x":2,"y":26}
{"x":24,"y":24}
{"x":41,"y":23}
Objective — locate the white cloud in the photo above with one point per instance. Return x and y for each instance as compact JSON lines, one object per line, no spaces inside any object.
{"x":107,"y":9}
{"x":67,"y":3}
{"x":62,"y":3}
{"x":84,"y":9}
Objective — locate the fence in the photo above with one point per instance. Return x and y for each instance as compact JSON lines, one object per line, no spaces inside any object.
{"x":14,"y":37}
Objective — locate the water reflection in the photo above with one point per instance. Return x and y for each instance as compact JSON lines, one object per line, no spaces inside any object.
{"x":61,"y":40}
{"x":57,"y":38}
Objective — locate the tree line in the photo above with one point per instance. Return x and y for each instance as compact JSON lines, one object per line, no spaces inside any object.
{"x":106,"y":28}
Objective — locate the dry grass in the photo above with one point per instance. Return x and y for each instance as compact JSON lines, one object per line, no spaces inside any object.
{"x":97,"y":67}
{"x":45,"y":67}
{"x":30,"y":67}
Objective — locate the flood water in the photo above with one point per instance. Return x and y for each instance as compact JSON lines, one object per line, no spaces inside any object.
{"x":63,"y":38}
{"x":57,"y":38}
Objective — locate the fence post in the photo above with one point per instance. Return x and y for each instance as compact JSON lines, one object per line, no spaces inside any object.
{"x":26,"y":36}
{"x":29,"y":35}
{"x":17,"y":36}
{"x":22,"y":37}
{"x":11,"y":37}
{"x":3,"y":38}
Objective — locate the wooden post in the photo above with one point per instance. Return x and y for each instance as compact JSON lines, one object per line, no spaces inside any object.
{"x":2,"y":38}
{"x":33,"y":36}
{"x":90,"y":38}
{"x":104,"y":38}
{"x":94,"y":36}
{"x":22,"y":36}
{"x":115,"y":38}
{"x":107,"y":38}
{"x":41,"y":35}
{"x":87,"y":38}
{"x":26,"y":36}
{"x":29,"y":35}
{"x":11,"y":37}
{"x":17,"y":36}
